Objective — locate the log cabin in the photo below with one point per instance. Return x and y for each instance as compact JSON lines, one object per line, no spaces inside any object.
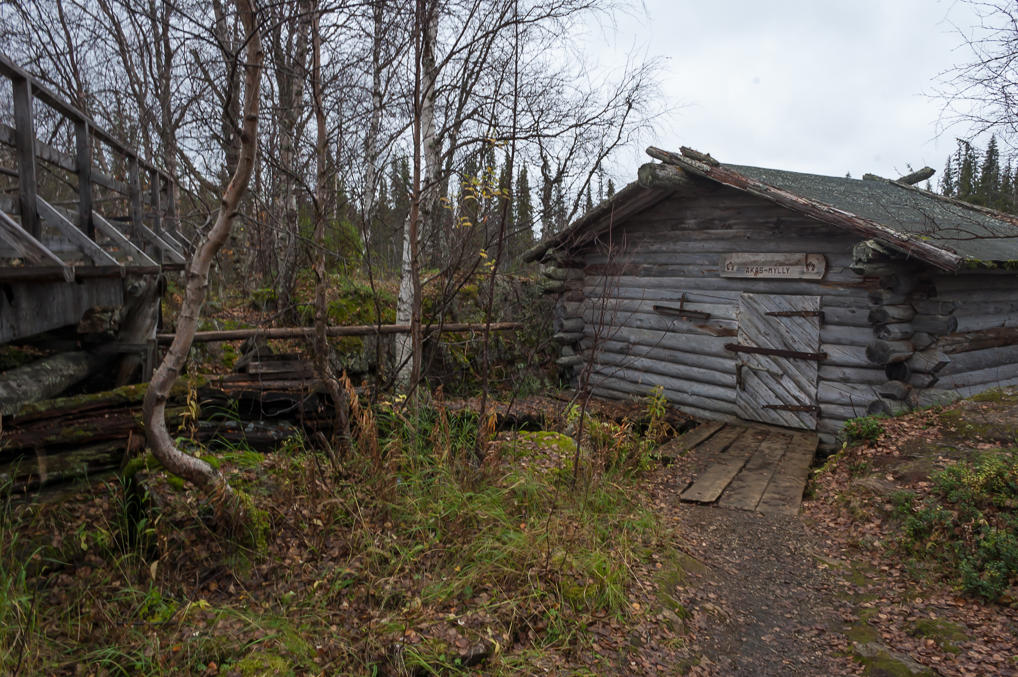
{"x":784,"y":298}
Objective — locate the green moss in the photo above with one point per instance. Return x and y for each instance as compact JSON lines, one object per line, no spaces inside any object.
{"x":256,"y":531}
{"x":862,"y":632}
{"x":12,"y":357}
{"x":945,"y":633}
{"x":262,"y":664}
{"x":884,"y":665}
{"x":996,"y":395}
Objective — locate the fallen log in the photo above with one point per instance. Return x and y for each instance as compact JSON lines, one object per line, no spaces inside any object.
{"x":44,"y":378}
{"x":352,"y":330}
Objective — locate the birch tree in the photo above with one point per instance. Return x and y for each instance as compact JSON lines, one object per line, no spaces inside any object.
{"x":232,"y":509}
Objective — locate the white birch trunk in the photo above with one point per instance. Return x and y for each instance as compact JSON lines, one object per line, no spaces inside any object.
{"x":407,"y":346}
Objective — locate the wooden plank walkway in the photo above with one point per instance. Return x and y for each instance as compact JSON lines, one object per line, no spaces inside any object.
{"x":760,"y":468}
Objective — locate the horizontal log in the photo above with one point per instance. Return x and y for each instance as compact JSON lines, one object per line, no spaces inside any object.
{"x":988,"y":377}
{"x":353,"y":330}
{"x":685,"y":283}
{"x":702,"y":381}
{"x":572,"y":324}
{"x":849,"y":395}
{"x":851,"y":375}
{"x":609,"y":323}
{"x":892,"y":313}
{"x":886,"y":297}
{"x":920,"y":381}
{"x":897,"y":331}
{"x":566,"y":337}
{"x":886,"y":407}
{"x":44,"y":379}
{"x":962,"y":342}
{"x":839,"y":413}
{"x":934,"y":306}
{"x":980,"y":322}
{"x":663,"y":353}
{"x":929,"y":361}
{"x":921,"y":340}
{"x":886,"y":352}
{"x":937,"y":325}
{"x":569,"y":361}
{"x":974,"y":360}
{"x":894,"y":390}
{"x":619,"y":380}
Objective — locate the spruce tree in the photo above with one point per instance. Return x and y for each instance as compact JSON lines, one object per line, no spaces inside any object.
{"x":524,"y":207}
{"x":988,"y":186}
{"x":948,"y":186}
{"x":968,"y":181}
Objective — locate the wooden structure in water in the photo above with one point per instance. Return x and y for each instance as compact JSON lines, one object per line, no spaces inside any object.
{"x":789,"y":299}
{"x":87,"y":227}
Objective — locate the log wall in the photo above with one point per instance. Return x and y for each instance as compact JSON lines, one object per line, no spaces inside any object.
{"x":668,"y":256}
{"x":981,"y":350}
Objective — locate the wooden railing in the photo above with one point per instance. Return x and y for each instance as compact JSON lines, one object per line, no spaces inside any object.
{"x":155,"y":244}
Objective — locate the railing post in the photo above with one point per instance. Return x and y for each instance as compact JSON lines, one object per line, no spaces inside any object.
{"x":134,"y":208}
{"x":84,"y":161}
{"x":25,"y":139}
{"x":157,"y":210}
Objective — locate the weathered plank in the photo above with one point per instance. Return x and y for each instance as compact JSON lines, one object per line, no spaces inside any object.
{"x":746,"y":488}
{"x":731,"y":448}
{"x":786,"y":265}
{"x":784,"y":493}
{"x":698,"y":435}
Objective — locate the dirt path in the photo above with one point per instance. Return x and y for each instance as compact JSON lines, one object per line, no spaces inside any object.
{"x":761,"y":604}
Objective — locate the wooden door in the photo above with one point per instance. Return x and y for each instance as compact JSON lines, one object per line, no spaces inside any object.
{"x":778,"y":357}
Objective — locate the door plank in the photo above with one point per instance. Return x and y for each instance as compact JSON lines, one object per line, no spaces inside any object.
{"x":774,"y":380}
{"x":746,"y":489}
{"x":713,"y":481}
{"x":784,"y":493}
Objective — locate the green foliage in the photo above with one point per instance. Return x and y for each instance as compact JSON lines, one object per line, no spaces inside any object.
{"x":865,"y":428}
{"x":17,"y":598}
{"x":978,"y":176}
{"x":970,"y":523}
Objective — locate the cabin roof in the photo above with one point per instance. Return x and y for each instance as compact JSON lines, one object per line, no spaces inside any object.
{"x":946,"y":233}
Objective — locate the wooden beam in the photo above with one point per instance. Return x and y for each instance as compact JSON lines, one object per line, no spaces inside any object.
{"x":110,"y":231}
{"x":84,"y":171}
{"x":354,"y":330}
{"x":665,"y":177}
{"x":155,"y":200}
{"x":90,"y":249}
{"x":25,"y":147}
{"x":30,"y":248}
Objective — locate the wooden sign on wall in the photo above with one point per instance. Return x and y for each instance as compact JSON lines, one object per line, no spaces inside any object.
{"x":774,"y":265}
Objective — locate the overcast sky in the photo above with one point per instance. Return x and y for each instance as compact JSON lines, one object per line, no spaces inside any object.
{"x":822,"y":86}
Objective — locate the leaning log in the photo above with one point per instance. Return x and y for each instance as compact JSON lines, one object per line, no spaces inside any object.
{"x":667,"y":177}
{"x":44,"y":378}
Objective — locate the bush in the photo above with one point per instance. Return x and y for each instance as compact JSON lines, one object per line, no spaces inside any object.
{"x":969,"y":524}
{"x":863,"y":429}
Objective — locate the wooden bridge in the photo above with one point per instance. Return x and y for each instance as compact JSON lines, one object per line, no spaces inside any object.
{"x":85,"y":223}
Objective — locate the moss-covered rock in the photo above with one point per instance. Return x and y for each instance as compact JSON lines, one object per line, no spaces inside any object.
{"x":880,"y":661}
{"x":946,"y":634}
